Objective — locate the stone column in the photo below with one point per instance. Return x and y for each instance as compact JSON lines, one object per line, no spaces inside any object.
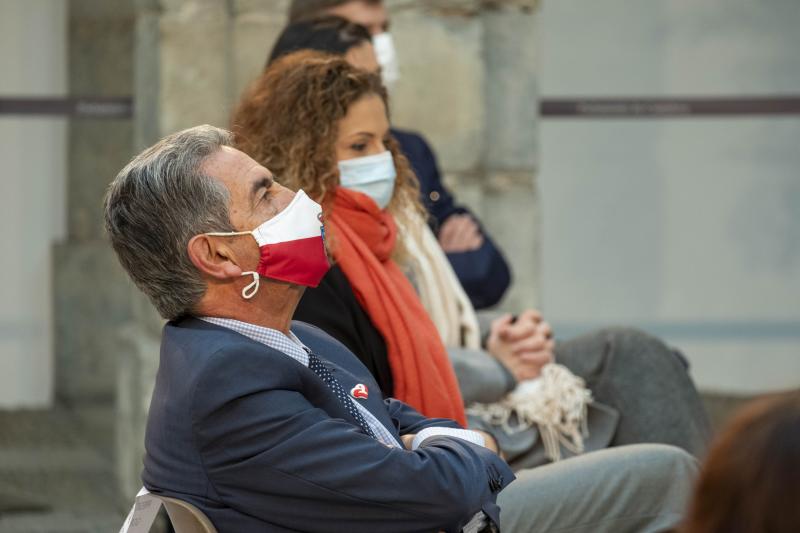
{"x":440,"y":47}
{"x":468,"y":82}
{"x":195,"y":67}
{"x":511,"y":206}
{"x":256,"y":26}
{"x":91,"y":293}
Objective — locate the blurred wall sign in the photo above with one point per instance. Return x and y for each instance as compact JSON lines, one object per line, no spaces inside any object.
{"x":668,"y":107}
{"x":78,"y":107}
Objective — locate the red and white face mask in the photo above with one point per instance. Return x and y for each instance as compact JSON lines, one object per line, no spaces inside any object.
{"x":292,"y":246}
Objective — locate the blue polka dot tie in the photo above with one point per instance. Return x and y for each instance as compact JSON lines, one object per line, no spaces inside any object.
{"x":322,"y":371}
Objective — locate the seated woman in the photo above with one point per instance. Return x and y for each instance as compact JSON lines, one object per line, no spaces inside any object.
{"x":627,"y":408}
{"x":477,"y":260}
{"x":323,"y":126}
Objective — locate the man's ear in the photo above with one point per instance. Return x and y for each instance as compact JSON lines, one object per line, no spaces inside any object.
{"x":214,"y":257}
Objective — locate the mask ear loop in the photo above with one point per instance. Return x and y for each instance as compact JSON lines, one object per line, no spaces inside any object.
{"x":252,"y":288}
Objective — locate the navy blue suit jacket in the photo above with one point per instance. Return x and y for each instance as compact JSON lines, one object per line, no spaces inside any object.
{"x":483,"y":273}
{"x":260,"y":443}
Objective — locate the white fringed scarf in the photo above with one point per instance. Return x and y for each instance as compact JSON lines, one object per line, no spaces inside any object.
{"x":556,"y":402}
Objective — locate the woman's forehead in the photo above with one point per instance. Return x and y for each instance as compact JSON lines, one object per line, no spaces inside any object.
{"x":367,"y":112}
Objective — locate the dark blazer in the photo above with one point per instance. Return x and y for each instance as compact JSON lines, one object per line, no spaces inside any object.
{"x":483,"y":273}
{"x":260,"y":443}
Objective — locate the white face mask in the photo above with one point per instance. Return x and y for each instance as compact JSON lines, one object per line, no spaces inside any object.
{"x":373,"y":175}
{"x":387,"y":57}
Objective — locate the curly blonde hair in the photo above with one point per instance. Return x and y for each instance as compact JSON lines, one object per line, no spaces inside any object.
{"x":288,"y":121}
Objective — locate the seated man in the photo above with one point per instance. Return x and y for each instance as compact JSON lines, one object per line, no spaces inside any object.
{"x":265,"y":424}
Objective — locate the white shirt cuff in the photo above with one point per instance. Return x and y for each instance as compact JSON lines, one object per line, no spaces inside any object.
{"x":464,"y":434}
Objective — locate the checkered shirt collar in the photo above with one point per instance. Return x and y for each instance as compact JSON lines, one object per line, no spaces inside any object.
{"x":288,"y":344}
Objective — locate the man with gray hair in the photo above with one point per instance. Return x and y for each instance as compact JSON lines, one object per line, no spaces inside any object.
{"x":261,"y":423}
{"x":266,"y":424}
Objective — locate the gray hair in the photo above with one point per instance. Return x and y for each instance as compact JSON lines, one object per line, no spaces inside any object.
{"x":156,"y":204}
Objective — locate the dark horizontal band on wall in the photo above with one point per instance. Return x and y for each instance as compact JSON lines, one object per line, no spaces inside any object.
{"x":122,"y":107}
{"x":80,"y":107}
{"x":667,"y":107}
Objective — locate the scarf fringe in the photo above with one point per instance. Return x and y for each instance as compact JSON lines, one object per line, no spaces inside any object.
{"x":556,"y":402}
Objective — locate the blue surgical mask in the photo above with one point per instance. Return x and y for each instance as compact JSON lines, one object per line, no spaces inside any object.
{"x":373,"y":175}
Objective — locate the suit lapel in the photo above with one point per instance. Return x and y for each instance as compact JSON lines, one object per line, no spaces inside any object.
{"x":348,"y":370}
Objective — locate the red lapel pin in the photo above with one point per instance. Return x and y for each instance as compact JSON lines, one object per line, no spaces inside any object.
{"x":359,"y":391}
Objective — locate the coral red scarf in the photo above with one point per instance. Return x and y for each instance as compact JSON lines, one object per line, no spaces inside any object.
{"x":364,"y":237}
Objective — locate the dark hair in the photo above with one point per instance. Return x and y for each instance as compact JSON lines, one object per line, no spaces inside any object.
{"x":749,"y":483}
{"x":310,"y":9}
{"x":331,"y":34}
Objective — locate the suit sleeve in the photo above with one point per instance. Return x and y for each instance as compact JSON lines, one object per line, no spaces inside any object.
{"x":408,"y":420}
{"x":484,"y":273}
{"x":262,"y":440}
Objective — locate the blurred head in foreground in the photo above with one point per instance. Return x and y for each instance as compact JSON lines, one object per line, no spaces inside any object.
{"x":751,"y":479}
